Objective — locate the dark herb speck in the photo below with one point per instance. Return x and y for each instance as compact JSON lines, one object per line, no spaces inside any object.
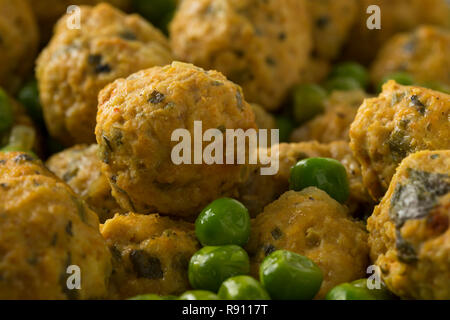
{"x":145,"y":265}
{"x":156,"y":97}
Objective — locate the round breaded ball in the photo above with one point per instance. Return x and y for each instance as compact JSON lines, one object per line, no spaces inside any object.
{"x":260,"y":45}
{"x":19,"y":42}
{"x":78,"y":63}
{"x":424,"y":54}
{"x":136,"y":119}
{"x":80,"y":168}
{"x":312,"y":224}
{"x":44,"y":229}
{"x":19,"y":164}
{"x":150,"y":254}
{"x":395,"y":16}
{"x":409,"y":230}
{"x":332,"y":21}
{"x":334,"y":123}
{"x":400,"y":121}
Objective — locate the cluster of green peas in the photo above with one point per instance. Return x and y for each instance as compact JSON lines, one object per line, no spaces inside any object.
{"x":308,"y":100}
{"x":219,"y":271}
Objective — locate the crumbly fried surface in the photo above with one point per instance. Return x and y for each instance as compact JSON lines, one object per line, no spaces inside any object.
{"x":44,"y":229}
{"x":19,"y":42}
{"x":409,"y":229}
{"x":260,"y":45}
{"x":423,"y":53}
{"x":80,"y":168}
{"x":400,"y":121}
{"x":150,"y":254}
{"x":78,"y":63}
{"x":314,"y":225}
{"x":136,"y":119}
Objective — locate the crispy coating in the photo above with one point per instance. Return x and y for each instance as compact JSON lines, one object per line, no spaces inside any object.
{"x":334,"y":123}
{"x":260,"y":45}
{"x":78,"y":63}
{"x":396,"y":16}
{"x":151,"y":254}
{"x":47,"y":12}
{"x":409,"y":229}
{"x":19,"y":42}
{"x":44,"y":228}
{"x":260,"y":190}
{"x":80,"y":168}
{"x":136,"y":119}
{"x":423,"y":53}
{"x":332,"y":21}
{"x":314,"y":225}
{"x":400,"y":121}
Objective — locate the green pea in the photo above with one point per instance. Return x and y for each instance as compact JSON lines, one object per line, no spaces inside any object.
{"x":29,"y":97}
{"x":224,"y":221}
{"x":152,"y":296}
{"x":289,"y":276}
{"x":198,"y":295}
{"x":342,"y":84}
{"x":6,"y":112}
{"x":309,"y":101}
{"x":286,"y":126}
{"x":242,"y":288}
{"x":158,"y":12}
{"x":326,"y":174}
{"x":402,"y":78}
{"x":210,"y":266}
{"x":351,"y":70}
{"x":358,"y":290}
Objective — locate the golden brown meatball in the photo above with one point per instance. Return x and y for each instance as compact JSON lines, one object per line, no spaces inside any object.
{"x":47,"y":12}
{"x":409,"y":229}
{"x":18,"y":44}
{"x":396,"y":16}
{"x":332,"y":21}
{"x":334,"y":123}
{"x":150,"y":254}
{"x":44,"y":229}
{"x":136,"y":119}
{"x":424,"y":53}
{"x":260,"y":45}
{"x":315,"y":71}
{"x":314,"y":225}
{"x":78,"y":63}
{"x":400,"y":121}
{"x":258,"y":191}
{"x":263,"y":119}
{"x":80,"y":168}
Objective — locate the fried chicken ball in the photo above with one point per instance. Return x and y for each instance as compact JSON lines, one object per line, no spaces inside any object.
{"x":315,"y":71}
{"x":18,"y":42}
{"x":80,"y":168}
{"x":78,"y":63}
{"x":136,"y":119}
{"x":400,"y":121}
{"x":332,"y":21}
{"x":334,"y":123}
{"x":396,"y":16}
{"x":44,"y":229}
{"x":260,"y":45}
{"x":312,"y":224}
{"x":263,"y":119}
{"x":409,"y":230}
{"x":259,"y":190}
{"x":423,"y":53}
{"x":150,"y":254}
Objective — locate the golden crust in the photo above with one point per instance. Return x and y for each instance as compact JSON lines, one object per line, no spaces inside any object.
{"x":80,"y":168}
{"x":314,"y":225}
{"x":400,"y":121}
{"x":78,"y":63}
{"x":260,"y":45}
{"x":409,"y":229}
{"x":19,"y":42}
{"x":45,"y":228}
{"x":423,"y":53}
{"x":151,"y":254}
{"x":135,"y":122}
